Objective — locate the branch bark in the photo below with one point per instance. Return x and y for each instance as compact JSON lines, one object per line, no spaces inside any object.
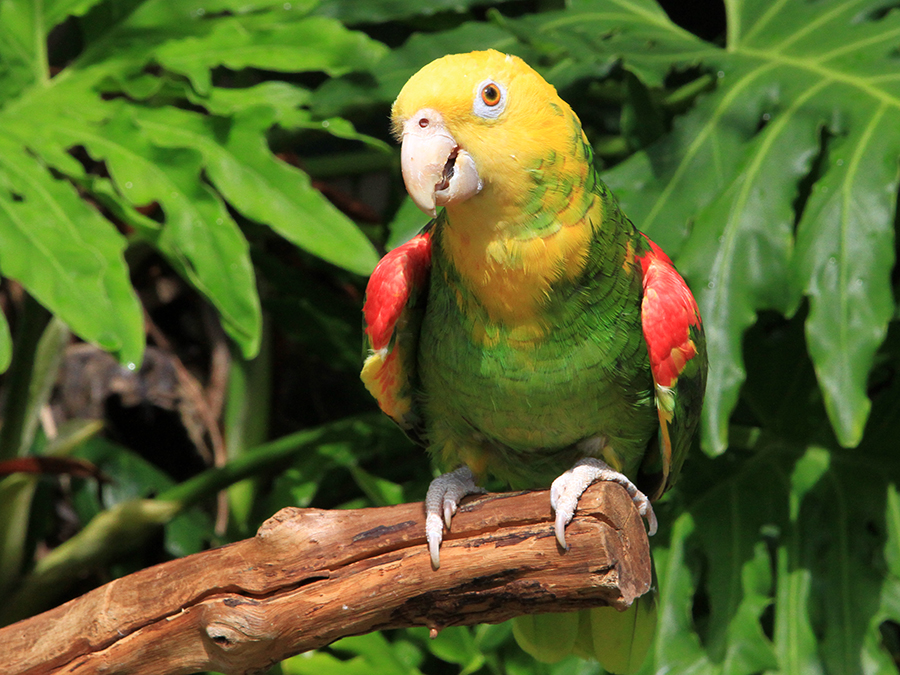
{"x":310,"y":577}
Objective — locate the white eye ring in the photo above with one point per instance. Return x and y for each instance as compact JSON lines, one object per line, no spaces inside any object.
{"x":490,"y":99}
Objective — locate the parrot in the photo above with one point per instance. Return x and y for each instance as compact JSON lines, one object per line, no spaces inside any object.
{"x":530,"y":332}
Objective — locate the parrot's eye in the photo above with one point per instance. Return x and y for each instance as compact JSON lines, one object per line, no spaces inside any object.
{"x":490,"y":94}
{"x":490,"y":99}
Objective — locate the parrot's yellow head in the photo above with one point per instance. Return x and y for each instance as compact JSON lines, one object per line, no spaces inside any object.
{"x":479,"y":124}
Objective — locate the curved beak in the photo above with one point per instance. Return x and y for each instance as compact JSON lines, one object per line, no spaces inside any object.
{"x":435,"y":169}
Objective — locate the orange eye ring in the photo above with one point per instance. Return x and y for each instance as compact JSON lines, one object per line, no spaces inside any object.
{"x":490,"y":94}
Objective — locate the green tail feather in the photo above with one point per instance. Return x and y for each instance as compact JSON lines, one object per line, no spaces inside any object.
{"x":547,"y":637}
{"x":620,"y":641}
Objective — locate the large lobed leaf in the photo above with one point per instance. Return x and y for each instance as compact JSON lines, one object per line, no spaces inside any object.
{"x":122,"y":101}
{"x":805,"y":91}
{"x":798,"y":566}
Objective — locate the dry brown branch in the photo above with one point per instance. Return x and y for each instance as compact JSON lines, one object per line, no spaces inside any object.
{"x":310,"y":577}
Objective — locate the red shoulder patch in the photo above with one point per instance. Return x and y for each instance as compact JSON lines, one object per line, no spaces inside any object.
{"x":668,"y":311}
{"x":399,"y":273}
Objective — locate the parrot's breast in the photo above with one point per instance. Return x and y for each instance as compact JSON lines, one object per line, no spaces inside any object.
{"x":522,"y":407}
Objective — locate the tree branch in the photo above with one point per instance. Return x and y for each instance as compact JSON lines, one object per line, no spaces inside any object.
{"x":310,"y":577}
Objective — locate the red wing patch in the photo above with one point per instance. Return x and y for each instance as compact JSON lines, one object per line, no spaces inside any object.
{"x":398,"y":274}
{"x":391,"y":314}
{"x":674,"y":336}
{"x":668,"y":311}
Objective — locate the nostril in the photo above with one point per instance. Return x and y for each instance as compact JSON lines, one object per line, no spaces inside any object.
{"x":423,"y":122}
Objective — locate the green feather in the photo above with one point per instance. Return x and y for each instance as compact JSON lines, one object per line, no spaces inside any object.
{"x":547,"y":637}
{"x":526,"y":405}
{"x":620,"y":641}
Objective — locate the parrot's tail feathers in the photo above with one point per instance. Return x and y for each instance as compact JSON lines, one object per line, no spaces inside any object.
{"x":622,"y":640}
{"x":547,"y":637}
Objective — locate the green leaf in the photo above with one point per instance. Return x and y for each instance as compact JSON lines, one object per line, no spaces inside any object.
{"x":372,"y":655}
{"x":844,"y":256}
{"x":457,"y":645}
{"x":272,"y":41}
{"x":892,"y":546}
{"x":282,"y":98}
{"x":638,"y":31}
{"x":199,"y":235}
{"x":262,"y":187}
{"x":44,"y":375}
{"x":407,"y":223}
{"x":379,"y":11}
{"x":734,"y":174}
{"x":784,"y":527}
{"x":66,"y":255}
{"x":64,"y":250}
{"x":749,"y":268}
{"x":56,"y":11}
{"x":24,"y":56}
{"x":677,"y":644}
{"x":382,"y":492}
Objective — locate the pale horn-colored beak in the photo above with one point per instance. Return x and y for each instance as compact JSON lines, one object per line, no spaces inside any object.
{"x":435,"y":169}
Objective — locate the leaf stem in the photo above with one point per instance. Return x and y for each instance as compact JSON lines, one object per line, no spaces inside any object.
{"x":732,"y":25}
{"x":30,"y":326}
{"x":261,"y":458}
{"x":41,"y":61}
{"x":247,"y":420}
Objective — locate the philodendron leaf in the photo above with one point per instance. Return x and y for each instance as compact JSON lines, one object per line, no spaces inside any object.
{"x":789,"y":553}
{"x":261,"y":186}
{"x":65,"y":250}
{"x":378,"y":11}
{"x":806,"y":92}
{"x":56,"y":11}
{"x":285,"y":42}
{"x":199,"y":234}
{"x":844,"y":256}
{"x":67,"y":256}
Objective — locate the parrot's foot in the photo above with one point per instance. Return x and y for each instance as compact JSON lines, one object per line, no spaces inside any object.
{"x":443,"y":497}
{"x":568,"y":488}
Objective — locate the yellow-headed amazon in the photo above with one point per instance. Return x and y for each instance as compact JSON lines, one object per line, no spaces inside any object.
{"x":531,"y":331}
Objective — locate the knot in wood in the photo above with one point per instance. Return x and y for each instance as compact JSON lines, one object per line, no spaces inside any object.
{"x":235,"y":623}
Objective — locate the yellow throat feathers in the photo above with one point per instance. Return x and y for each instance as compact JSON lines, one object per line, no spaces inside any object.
{"x":531,"y":224}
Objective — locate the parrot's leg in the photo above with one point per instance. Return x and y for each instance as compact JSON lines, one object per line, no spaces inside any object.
{"x":442,"y":498}
{"x":568,"y":488}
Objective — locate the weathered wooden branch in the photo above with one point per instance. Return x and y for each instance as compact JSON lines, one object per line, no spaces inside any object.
{"x":310,"y":577}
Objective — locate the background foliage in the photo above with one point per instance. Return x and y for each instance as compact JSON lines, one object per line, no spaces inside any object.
{"x":164,"y":169}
